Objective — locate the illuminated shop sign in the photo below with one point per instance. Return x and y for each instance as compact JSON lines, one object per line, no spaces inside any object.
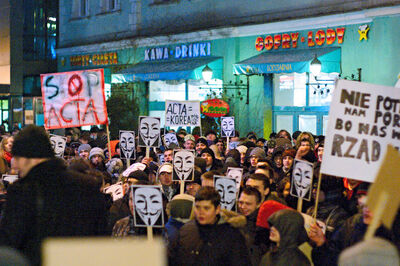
{"x":100,"y":59}
{"x":291,"y":40}
{"x":177,"y":52}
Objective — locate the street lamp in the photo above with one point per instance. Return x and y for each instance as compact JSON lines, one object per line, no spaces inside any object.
{"x":207,"y":74}
{"x":315,"y":66}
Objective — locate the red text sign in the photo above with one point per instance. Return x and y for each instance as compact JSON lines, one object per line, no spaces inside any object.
{"x":74,"y":99}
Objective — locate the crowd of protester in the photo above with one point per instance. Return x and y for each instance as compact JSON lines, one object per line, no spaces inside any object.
{"x":64,"y":197}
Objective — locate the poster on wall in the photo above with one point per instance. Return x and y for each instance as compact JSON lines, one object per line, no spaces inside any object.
{"x":182,"y":113}
{"x":363,"y":119}
{"x":148,"y":206}
{"x":127,"y":144}
{"x":228,"y":126}
{"x":149,"y":131}
{"x":74,"y":99}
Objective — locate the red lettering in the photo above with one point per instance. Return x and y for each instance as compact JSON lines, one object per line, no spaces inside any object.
{"x":66,"y":119}
{"x":320,"y":37}
{"x":330,"y":36}
{"x":75,"y":85}
{"x":48,"y":119}
{"x":277,"y":41}
{"x":285,"y":41}
{"x":259,"y":44}
{"x":310,"y":39}
{"x":269,"y":42}
{"x":340,"y":35}
{"x":295,"y":38}
{"x":92,"y":110}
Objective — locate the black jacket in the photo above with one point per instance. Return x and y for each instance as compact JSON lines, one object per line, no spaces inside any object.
{"x":217,"y":244}
{"x":51,"y":201}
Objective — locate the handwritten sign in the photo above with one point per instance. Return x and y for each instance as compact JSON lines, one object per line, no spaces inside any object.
{"x":182,"y":113}
{"x":363,"y":120}
{"x":74,"y":99}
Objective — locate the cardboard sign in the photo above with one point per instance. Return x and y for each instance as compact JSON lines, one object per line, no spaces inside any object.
{"x":74,"y":99}
{"x":302,"y":177}
{"x":383,"y":195}
{"x":134,"y":167}
{"x":363,"y":120}
{"x":9,"y":178}
{"x":58,"y":144}
{"x":233,"y":145}
{"x":237,"y":174}
{"x":148,"y":206}
{"x":127,"y":144}
{"x":182,"y":113}
{"x":183,"y":165}
{"x":149,"y":131}
{"x":228,"y":126}
{"x":115,"y":190}
{"x":227,"y":189}
{"x":170,"y":138}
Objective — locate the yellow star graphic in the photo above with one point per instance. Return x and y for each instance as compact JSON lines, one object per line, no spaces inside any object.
{"x":363,"y":31}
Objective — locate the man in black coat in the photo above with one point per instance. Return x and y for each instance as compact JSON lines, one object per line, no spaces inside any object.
{"x":48,"y":200}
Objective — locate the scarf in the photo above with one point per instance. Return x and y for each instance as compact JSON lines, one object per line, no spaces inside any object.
{"x":7,"y":156}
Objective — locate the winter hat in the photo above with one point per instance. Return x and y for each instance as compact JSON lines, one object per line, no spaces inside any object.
{"x":189,"y":137}
{"x":202,"y":140}
{"x":268,"y":208}
{"x":233,"y":155}
{"x":84,"y":147}
{"x":32,"y":142}
{"x":201,"y":163}
{"x":139,"y":175}
{"x":362,"y":189}
{"x":181,"y":207}
{"x":372,"y":252}
{"x":241,"y":148}
{"x":115,"y":165}
{"x":165,"y":168}
{"x":96,"y":151}
{"x":271,"y":144}
{"x":258,"y":152}
{"x":284,"y":143}
{"x":209,"y":151}
{"x":289,"y":152}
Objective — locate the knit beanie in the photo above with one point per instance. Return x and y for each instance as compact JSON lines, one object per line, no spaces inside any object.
{"x":209,"y":151}
{"x":139,"y":175}
{"x":84,"y":147}
{"x":268,"y":208}
{"x":289,"y":152}
{"x":258,"y":152}
{"x":181,"y":207}
{"x":284,"y":143}
{"x":96,"y":151}
{"x":202,"y":140}
{"x":32,"y":142}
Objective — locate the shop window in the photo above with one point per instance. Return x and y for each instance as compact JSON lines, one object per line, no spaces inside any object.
{"x":290,"y":89}
{"x":32,"y":86}
{"x":158,"y":2}
{"x":80,"y":8}
{"x":109,"y":6}
{"x":308,"y":123}
{"x":284,"y":122}
{"x":320,"y":91}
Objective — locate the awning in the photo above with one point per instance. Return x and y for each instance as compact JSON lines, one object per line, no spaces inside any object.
{"x":169,"y":70}
{"x":288,"y":61}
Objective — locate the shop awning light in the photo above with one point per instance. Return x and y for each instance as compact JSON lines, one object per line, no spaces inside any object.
{"x":315,"y":66}
{"x":207,"y":73}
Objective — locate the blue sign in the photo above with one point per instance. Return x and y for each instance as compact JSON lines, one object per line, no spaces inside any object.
{"x":192,"y":50}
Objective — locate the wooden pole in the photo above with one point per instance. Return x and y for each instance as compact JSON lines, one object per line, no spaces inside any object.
{"x":147,"y":152}
{"x":227,"y":142}
{"x":149,"y":233}
{"x":376,"y":220}
{"x":299,"y":204}
{"x":317,"y":197}
{"x":182,"y":187}
{"x":109,"y":142}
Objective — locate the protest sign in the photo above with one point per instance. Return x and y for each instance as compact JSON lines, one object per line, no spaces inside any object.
{"x":228,"y":126}
{"x":237,"y":174}
{"x":383,"y":195}
{"x":127,"y":144}
{"x":9,"y":178}
{"x":182,"y":113}
{"x":148,"y":206}
{"x":183,"y":165}
{"x":115,"y":190}
{"x":363,"y":120}
{"x":58,"y":144}
{"x":170,"y":138}
{"x":302,"y":179}
{"x":227,"y":189}
{"x":74,"y":99}
{"x":149,"y":131}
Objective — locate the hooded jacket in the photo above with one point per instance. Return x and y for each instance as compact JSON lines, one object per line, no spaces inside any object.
{"x":290,"y":225}
{"x":216,"y":244}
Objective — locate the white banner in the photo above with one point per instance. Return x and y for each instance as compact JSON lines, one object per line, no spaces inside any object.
{"x":363,"y":120}
{"x":182,"y":113}
{"x":74,"y":99}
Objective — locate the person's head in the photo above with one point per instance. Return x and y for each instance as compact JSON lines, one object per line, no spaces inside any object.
{"x":260,"y":142}
{"x":252,"y":138}
{"x":7,"y":143}
{"x":84,"y":151}
{"x":208,"y":155}
{"x":207,"y":179}
{"x":261,"y":183}
{"x":201,"y":144}
{"x":165,"y":174}
{"x":284,"y":134}
{"x":242,"y":150}
{"x":277,"y":158}
{"x":249,"y":201}
{"x":256,"y":154}
{"x":287,"y":158}
{"x":283,"y":188}
{"x":305,"y":143}
{"x":295,"y":135}
{"x":189,"y":143}
{"x":31,"y":146}
{"x":320,"y":151}
{"x":181,"y":207}
{"x":168,"y":155}
{"x":305,"y":135}
{"x":96,"y":156}
{"x":211,"y":135}
{"x":207,"y":206}
{"x":221,"y":146}
{"x":193,"y":186}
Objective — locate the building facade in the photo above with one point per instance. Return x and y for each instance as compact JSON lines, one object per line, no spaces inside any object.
{"x":261,"y":53}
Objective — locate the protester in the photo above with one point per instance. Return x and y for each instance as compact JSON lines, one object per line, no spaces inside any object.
{"x":48,"y":200}
{"x":200,"y":242}
{"x":201,"y":144}
{"x":189,"y":142}
{"x":169,"y":188}
{"x":84,"y":151}
{"x":168,"y":155}
{"x":5,"y":154}
{"x":262,"y":184}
